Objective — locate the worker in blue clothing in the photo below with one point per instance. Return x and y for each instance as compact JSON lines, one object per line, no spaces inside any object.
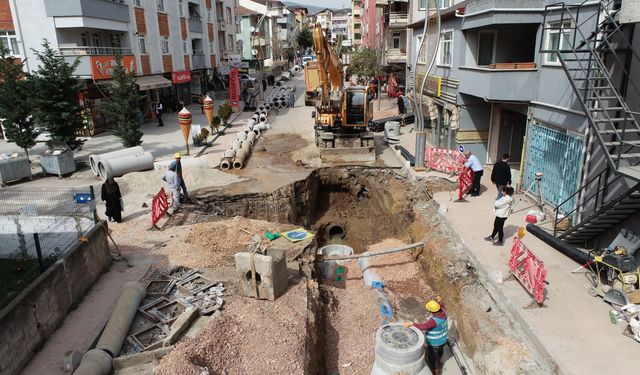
{"x":473,"y":163}
{"x":436,"y":333}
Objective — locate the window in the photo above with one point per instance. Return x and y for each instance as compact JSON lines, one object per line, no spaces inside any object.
{"x":185,"y":50}
{"x":137,"y":3}
{"x":421,"y":58}
{"x":180,"y":8}
{"x":211,"y":47}
{"x":558,"y":37}
{"x":422,"y":5}
{"x":142,"y":44}
{"x":395,"y":40}
{"x":95,"y":39}
{"x":230,"y":44}
{"x":115,"y":41}
{"x":85,"y":39}
{"x":209,"y":15}
{"x":9,"y":41}
{"x":486,"y":47}
{"x":444,"y":52}
{"x":228,"y":14}
{"x":164,"y":43}
{"x":444,"y":4}
{"x":357,"y":36}
{"x":160,"y":5}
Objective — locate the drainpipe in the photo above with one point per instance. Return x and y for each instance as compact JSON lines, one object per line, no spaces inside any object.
{"x":586,"y":151}
{"x":16,"y":23}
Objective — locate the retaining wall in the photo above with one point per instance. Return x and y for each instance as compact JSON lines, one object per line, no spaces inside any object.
{"x":35,"y":313}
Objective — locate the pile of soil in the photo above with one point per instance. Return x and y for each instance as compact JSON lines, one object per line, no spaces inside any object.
{"x":251,"y":337}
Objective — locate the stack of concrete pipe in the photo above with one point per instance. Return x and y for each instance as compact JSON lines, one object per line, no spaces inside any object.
{"x":118,"y":163}
{"x":279,"y":96}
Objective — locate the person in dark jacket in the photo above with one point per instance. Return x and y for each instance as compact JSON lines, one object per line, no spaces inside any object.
{"x":436,"y":333}
{"x":400,"y":105}
{"x":501,"y":174}
{"x":110,"y":194}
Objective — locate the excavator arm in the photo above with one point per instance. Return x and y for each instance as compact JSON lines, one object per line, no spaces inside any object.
{"x":329,"y":65}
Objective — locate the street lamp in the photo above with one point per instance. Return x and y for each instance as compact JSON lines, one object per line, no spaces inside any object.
{"x":254,"y":52}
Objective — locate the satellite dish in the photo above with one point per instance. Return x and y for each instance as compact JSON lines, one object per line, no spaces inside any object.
{"x":252,"y":29}
{"x":254,"y":52}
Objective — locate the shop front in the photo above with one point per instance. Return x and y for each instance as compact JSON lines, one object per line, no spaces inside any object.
{"x":156,"y":89}
{"x":181,"y":91}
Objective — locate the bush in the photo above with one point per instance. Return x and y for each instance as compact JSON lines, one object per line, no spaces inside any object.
{"x":225,"y":112}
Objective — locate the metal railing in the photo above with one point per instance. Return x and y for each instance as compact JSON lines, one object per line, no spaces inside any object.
{"x":92,"y":51}
{"x":398,"y":18}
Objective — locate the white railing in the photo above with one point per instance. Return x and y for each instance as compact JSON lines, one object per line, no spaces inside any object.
{"x":398,"y":18}
{"x":92,"y":51}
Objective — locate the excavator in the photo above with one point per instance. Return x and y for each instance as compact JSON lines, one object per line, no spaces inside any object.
{"x":342,"y":113}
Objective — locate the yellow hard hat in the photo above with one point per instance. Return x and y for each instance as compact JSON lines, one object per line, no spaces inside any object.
{"x":432,"y":306}
{"x":177,"y":155}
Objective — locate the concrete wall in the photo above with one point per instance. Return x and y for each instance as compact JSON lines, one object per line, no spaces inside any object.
{"x":87,"y":8}
{"x":16,"y":234}
{"x":36,"y":312}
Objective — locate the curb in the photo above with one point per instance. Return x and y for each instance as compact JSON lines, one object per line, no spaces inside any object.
{"x":201,"y":151}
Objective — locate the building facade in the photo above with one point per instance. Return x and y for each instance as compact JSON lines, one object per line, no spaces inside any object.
{"x":356,"y":23}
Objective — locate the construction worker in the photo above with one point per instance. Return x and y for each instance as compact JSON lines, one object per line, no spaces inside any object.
{"x":436,"y":333}
{"x":172,"y":179}
{"x":178,"y":168}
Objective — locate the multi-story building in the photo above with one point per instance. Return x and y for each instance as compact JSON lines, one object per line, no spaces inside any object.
{"x":356,"y":23}
{"x":323,"y":18}
{"x":394,"y":48}
{"x":340,"y":24}
{"x":300,"y":14}
{"x":165,"y":43}
{"x":372,"y":23}
{"x":228,"y":28}
{"x":554,"y":86}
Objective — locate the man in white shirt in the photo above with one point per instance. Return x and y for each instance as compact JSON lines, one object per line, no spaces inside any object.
{"x":172,"y":179}
{"x":474,"y":164}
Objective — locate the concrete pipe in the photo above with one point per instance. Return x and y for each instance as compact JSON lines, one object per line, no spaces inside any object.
{"x":95,"y":159}
{"x":268,"y":107}
{"x":255,"y":118}
{"x":225,"y":163}
{"x":95,"y":362}
{"x":276,"y":104}
{"x":236,"y":145}
{"x":251,"y":137}
{"x":229,"y":154}
{"x":126,"y":164}
{"x":248,"y":128}
{"x":241,"y":136}
{"x":256,"y":131}
{"x":115,"y":332}
{"x":263,"y":118}
{"x":251,"y":121}
{"x":261,"y":126}
{"x":261,"y":108}
{"x":241,"y":155}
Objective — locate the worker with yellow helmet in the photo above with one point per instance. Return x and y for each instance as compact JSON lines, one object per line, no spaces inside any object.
{"x":436,"y":333}
{"x":178,"y":168}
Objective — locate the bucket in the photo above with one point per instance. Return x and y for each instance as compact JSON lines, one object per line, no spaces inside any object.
{"x":392,"y":132}
{"x":328,"y":267}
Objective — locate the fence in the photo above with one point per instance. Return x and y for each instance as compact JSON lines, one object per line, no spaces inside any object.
{"x":37,"y":226}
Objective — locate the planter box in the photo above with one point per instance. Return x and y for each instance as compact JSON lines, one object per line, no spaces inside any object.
{"x":58,"y":164}
{"x":14,"y":169}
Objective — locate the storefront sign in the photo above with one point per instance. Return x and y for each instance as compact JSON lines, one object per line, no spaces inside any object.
{"x":225,"y":66}
{"x":433,"y":86}
{"x":102,"y":66}
{"x":181,"y":77}
{"x":234,"y":88}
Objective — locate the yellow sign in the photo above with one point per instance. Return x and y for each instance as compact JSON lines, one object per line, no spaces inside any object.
{"x":296,"y":235}
{"x":433,"y":86}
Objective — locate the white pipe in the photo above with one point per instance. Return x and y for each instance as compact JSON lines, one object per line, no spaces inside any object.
{"x":263,"y":118}
{"x":225,"y":163}
{"x":95,"y":159}
{"x":236,"y":145}
{"x":241,"y":155}
{"x":261,"y":126}
{"x":126,"y":164}
{"x":251,"y":137}
{"x":229,"y":154}
{"x":241,"y":136}
{"x":248,"y":128}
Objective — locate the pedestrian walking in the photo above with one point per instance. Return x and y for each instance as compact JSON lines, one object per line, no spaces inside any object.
{"x":177,"y":163}
{"x":201,"y":101}
{"x":401,"y":109}
{"x":173,"y":181}
{"x":474,"y":164}
{"x":501,"y":174}
{"x":292,"y":99}
{"x":110,"y":194}
{"x":436,"y":333}
{"x":159,"y":110}
{"x":502,"y":209}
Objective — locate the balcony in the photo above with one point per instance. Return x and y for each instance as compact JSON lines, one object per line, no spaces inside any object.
{"x":92,"y":51}
{"x":398,"y":19}
{"x":197,"y":60}
{"x":195,"y":25}
{"x":504,"y":81}
{"x":112,"y":10}
{"x":97,"y":62}
{"x":396,"y":55}
{"x":222,"y":24}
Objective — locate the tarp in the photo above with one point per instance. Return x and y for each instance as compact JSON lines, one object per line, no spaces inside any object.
{"x":152,"y":82}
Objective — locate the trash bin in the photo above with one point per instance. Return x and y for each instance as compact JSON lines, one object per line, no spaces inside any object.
{"x":58,"y":162}
{"x":328,"y":267}
{"x":12,"y":169}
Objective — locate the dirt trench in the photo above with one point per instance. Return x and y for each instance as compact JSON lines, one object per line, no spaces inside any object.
{"x":360,"y":207}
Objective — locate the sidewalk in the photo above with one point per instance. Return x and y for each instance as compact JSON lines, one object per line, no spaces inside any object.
{"x":573,"y":327}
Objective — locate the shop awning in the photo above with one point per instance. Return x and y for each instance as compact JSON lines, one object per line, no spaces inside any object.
{"x":152,"y":82}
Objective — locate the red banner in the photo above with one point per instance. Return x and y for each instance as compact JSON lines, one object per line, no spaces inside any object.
{"x":464,"y":182}
{"x":159,"y":207}
{"x":102,"y":66}
{"x":181,"y":77}
{"x":528,"y":269}
{"x":444,"y":160}
{"x":234,"y":88}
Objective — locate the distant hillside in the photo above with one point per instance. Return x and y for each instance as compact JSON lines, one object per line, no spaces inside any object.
{"x":311,"y":8}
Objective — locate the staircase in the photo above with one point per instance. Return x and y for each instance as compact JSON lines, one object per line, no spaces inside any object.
{"x":587,"y":58}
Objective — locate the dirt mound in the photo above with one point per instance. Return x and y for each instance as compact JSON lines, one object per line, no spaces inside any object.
{"x":251,"y":337}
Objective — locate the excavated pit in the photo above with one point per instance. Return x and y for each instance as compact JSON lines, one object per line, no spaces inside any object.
{"x":373,"y":208}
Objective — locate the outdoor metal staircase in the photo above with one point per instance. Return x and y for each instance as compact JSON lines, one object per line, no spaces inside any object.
{"x":589,"y":43}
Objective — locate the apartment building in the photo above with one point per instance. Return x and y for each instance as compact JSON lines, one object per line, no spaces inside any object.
{"x":372,"y":22}
{"x":554,"y":86}
{"x":228,"y":27}
{"x":164,"y":43}
{"x":323,"y":18}
{"x":340,"y":24}
{"x":355,"y":24}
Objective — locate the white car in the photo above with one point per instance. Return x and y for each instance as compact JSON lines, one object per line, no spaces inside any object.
{"x":246,"y":77}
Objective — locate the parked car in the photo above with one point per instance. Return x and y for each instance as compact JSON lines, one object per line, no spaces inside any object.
{"x":245,"y":77}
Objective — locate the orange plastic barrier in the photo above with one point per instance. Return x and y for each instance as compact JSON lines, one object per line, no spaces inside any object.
{"x":528,"y":269}
{"x":444,"y":160}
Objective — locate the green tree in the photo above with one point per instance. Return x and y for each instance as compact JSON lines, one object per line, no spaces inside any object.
{"x":15,"y":106}
{"x":56,"y":108}
{"x":123,"y":106}
{"x":225,"y":112}
{"x":364,"y":63}
{"x":305,"y":38}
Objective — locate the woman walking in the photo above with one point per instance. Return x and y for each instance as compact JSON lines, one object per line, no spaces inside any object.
{"x":502,"y":209}
{"x":111,"y":196}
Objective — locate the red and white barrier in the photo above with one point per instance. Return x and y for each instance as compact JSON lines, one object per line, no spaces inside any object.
{"x":465,"y":181}
{"x":528,"y":269}
{"x":159,"y":207}
{"x":444,"y":160}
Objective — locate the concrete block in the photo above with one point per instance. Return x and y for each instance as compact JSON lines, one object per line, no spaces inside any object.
{"x":137,"y":359}
{"x":271,"y":274}
{"x":180,"y":325}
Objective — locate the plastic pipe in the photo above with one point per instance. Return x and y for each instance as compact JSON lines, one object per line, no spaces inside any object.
{"x":126,"y":164}
{"x":95,"y":159}
{"x":115,"y":332}
{"x":571,"y":252}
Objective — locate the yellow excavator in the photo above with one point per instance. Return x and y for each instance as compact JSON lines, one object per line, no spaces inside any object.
{"x":342,"y":113}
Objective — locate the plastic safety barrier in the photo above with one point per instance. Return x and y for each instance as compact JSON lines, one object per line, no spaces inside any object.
{"x":444,"y":160}
{"x":159,"y":207}
{"x":528,"y":269}
{"x":464,"y":182}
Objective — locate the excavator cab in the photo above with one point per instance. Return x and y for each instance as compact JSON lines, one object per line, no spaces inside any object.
{"x":356,"y":107}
